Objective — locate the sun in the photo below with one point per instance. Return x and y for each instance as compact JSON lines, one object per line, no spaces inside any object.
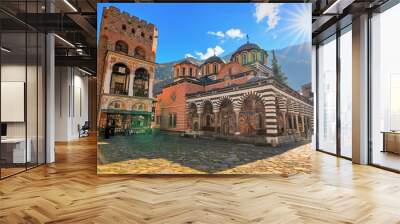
{"x":298,"y":24}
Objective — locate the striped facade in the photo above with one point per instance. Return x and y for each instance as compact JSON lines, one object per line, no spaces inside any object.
{"x":295,"y":111}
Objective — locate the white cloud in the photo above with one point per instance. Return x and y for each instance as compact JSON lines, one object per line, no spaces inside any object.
{"x":234,"y":33}
{"x":268,"y":10}
{"x":218,"y":34}
{"x":189,"y":56}
{"x":210,"y":52}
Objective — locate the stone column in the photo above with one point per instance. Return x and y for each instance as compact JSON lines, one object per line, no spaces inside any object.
{"x":302,"y":123}
{"x":297,"y":123}
{"x":284,"y":122}
{"x":237,"y":129}
{"x":107,"y":80}
{"x":216,"y":121}
{"x":292,"y":121}
{"x":151,"y":87}
{"x":130,"y":86}
{"x":200,"y":119}
{"x":188,"y":125}
{"x":271,"y":123}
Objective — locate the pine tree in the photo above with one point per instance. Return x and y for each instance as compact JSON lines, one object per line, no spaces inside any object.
{"x":277,"y":71}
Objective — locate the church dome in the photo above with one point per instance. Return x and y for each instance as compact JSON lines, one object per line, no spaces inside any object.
{"x":249,"y":53}
{"x":213,"y":59}
{"x":189,"y":60}
{"x":248,"y":47}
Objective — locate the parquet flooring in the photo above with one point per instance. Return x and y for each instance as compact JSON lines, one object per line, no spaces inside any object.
{"x":70,"y":191}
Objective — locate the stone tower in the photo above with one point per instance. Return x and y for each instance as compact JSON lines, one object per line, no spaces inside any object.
{"x":126,"y":56}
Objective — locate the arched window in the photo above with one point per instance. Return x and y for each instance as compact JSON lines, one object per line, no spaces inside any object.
{"x":141,"y":83}
{"x":244,"y":58}
{"x":190,"y":72}
{"x":208,"y":69}
{"x":215,"y":68}
{"x":139,"y":107}
{"x":262,"y":58}
{"x":254,"y":56}
{"x":237,"y":59}
{"x":115,"y":105}
{"x":121,"y":46}
{"x":139,"y":53}
{"x":177,"y":72}
{"x":119,"y":79}
{"x":183,"y":71}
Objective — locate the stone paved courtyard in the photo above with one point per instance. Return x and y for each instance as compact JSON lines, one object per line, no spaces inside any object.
{"x":168,"y":153}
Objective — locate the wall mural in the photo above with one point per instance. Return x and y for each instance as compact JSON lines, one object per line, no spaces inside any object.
{"x":215,"y":94}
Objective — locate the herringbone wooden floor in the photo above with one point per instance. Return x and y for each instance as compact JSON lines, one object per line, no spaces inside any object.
{"x":69,"y":191}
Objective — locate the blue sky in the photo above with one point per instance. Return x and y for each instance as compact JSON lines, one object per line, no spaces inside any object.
{"x":200,"y":29}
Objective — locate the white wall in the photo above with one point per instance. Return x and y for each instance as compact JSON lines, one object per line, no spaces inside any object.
{"x":16,"y":73}
{"x":33,"y":127}
{"x":71,"y":102}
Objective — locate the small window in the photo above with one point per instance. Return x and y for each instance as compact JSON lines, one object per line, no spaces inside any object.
{"x":191,"y":71}
{"x":139,"y":53}
{"x":215,"y":68}
{"x":244,"y":58}
{"x":172,"y":117}
{"x":124,"y":27}
{"x":121,"y":46}
{"x":151,"y":37}
{"x":133,"y":30}
{"x":142,"y":34}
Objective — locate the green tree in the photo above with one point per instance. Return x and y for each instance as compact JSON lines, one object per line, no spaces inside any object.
{"x":277,"y":71}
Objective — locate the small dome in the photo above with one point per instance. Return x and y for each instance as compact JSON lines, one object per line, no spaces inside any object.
{"x":213,"y":59}
{"x":248,"y":47}
{"x":188,"y":60}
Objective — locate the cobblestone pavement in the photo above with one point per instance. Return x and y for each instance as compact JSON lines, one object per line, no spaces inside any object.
{"x":172,"y":154}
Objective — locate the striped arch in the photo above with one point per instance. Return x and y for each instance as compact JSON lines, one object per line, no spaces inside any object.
{"x":282,"y":103}
{"x":222,"y":99}
{"x":296,"y":107}
{"x":189,"y":105}
{"x":203,"y":103}
{"x":199,"y":105}
{"x":249,"y":94}
{"x":290,"y":106}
